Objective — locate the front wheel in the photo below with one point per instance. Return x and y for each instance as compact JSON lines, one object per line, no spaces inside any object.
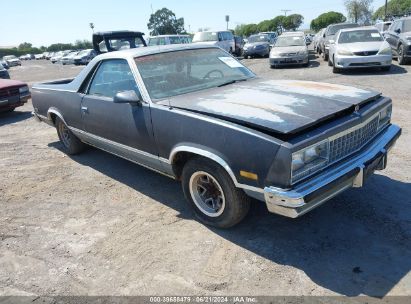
{"x":72,"y":145}
{"x":335,"y":69}
{"x":401,"y":56}
{"x":212,"y":194}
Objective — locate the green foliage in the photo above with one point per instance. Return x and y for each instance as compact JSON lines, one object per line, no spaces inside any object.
{"x":164,"y":22}
{"x":359,"y":11}
{"x":277,"y":24}
{"x":395,"y":7}
{"x":326,"y":19}
{"x":292,"y":22}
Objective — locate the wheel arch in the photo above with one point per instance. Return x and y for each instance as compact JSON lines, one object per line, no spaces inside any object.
{"x":53,"y":113}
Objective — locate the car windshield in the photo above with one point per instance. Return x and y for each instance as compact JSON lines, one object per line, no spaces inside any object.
{"x":180,"y":72}
{"x":334,"y":29}
{"x":205,"y":36}
{"x":84,"y":52}
{"x":359,"y":36}
{"x":290,"y":41}
{"x":407,"y":26}
{"x":258,"y":38}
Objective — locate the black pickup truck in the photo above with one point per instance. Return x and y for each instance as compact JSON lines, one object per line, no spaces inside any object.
{"x":104,"y":42}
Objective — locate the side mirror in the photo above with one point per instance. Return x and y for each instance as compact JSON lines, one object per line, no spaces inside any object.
{"x":324,"y":35}
{"x":398,"y":31}
{"x":127,"y":97}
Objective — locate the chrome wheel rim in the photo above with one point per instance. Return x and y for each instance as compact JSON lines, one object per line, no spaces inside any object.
{"x":207,"y":194}
{"x":65,"y":135}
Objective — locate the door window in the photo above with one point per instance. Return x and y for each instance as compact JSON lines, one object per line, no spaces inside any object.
{"x":112,"y":76}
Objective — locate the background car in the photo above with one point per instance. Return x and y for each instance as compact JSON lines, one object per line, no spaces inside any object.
{"x":359,"y":48}
{"x":13,"y":94}
{"x":84,"y":57}
{"x":222,"y":39}
{"x":399,"y":38}
{"x":12,"y":60}
{"x":289,"y":50}
{"x":257,"y":46}
{"x":69,"y":58}
{"x":272,"y":35}
{"x":39,"y":56}
{"x":383,"y":27}
{"x":4,"y":64}
{"x":168,"y":39}
{"x":4,"y":74}
{"x":57,"y":56}
{"x":329,"y":34}
{"x":104,"y":42}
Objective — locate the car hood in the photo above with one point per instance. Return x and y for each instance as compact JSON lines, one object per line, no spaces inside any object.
{"x":364,"y":46}
{"x":7,"y":83}
{"x":284,"y":106}
{"x":256,"y":43}
{"x":13,"y":60}
{"x":288,"y":49}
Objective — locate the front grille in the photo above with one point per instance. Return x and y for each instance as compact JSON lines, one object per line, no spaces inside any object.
{"x":348,"y":143}
{"x":370,"y":53}
{"x":364,"y":64}
{"x":9,"y":92}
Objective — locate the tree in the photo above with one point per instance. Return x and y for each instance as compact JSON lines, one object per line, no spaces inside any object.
{"x":293,"y":22}
{"x":359,"y":11}
{"x":395,"y":7}
{"x":326,"y":19}
{"x":25,"y":46}
{"x":164,"y":22}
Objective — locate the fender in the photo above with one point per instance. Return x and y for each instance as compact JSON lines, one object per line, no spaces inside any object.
{"x":56,"y":112}
{"x":203,"y":151}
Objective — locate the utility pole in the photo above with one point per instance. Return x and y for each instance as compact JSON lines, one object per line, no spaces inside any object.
{"x":285,"y":12}
{"x":386,"y":6}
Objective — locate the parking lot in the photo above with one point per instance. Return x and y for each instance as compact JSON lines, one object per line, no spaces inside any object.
{"x":96,"y":224}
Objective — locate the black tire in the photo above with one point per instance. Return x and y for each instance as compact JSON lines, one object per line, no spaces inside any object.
{"x":325,"y":57}
{"x":272,"y":66}
{"x":401,"y":58}
{"x":329,"y":62}
{"x":72,"y":145}
{"x":236,"y":202}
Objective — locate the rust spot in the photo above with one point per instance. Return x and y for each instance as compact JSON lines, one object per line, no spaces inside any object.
{"x":318,"y":86}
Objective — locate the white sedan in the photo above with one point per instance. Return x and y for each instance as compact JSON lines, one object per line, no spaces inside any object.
{"x":361,"y":47}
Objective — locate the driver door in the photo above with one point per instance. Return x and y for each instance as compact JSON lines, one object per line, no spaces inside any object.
{"x":121,"y":128}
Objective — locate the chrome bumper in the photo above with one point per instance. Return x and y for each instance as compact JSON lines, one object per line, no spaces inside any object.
{"x":317,"y":190}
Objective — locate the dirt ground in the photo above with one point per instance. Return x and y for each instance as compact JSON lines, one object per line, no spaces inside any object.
{"x":95,"y":224}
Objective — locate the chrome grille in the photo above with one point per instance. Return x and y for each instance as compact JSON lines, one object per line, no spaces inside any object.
{"x":352,"y":141}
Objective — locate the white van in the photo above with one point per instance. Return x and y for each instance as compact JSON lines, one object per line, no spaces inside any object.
{"x":168,"y":39}
{"x":223,"y":39}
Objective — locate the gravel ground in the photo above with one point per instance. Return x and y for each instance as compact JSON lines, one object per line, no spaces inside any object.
{"x":95,"y":224}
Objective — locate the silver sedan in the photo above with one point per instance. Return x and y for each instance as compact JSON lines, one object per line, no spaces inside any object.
{"x":359,"y":48}
{"x":289,"y":49}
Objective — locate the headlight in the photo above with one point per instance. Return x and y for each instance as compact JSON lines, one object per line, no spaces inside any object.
{"x":303,"y":53}
{"x":308,"y":160}
{"x":344,"y":52}
{"x":23,"y":90}
{"x":385,"y":116}
{"x":385,"y":51}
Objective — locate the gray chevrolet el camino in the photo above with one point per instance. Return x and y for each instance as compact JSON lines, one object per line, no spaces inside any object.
{"x":196,"y":114}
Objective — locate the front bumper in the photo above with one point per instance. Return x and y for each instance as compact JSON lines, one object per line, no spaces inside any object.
{"x":255,"y":52}
{"x":349,"y":173}
{"x":290,"y":60}
{"x":353,"y":62}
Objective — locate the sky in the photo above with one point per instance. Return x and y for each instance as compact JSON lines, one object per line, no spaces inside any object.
{"x":43,"y":22}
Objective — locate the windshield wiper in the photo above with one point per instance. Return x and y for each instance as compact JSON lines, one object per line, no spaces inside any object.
{"x":231,"y":82}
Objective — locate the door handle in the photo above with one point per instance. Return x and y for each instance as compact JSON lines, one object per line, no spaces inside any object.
{"x":84,"y":109}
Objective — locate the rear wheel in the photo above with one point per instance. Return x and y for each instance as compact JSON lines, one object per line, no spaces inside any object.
{"x":212,"y":194}
{"x":72,"y":145}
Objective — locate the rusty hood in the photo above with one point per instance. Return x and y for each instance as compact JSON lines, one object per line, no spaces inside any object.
{"x":282,"y":106}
